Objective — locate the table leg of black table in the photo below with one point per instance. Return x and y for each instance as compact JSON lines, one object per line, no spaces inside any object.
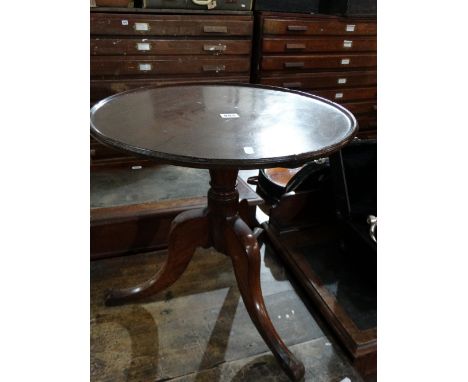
{"x":220,"y":226}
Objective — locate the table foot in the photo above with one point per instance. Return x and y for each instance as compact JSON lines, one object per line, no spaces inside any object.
{"x":189,"y":230}
{"x":243,"y":248}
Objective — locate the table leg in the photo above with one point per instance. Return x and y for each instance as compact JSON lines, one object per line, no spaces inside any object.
{"x":221,"y":226}
{"x":244,"y":251}
{"x":232,"y":236}
{"x":189,"y":230}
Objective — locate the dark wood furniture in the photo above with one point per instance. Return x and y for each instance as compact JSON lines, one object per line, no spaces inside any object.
{"x":132,"y":208}
{"x":223,"y":128}
{"x":322,"y":234}
{"x":329,"y":56}
{"x":132,"y":47}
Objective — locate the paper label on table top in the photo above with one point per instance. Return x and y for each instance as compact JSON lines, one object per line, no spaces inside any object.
{"x":230,"y":115}
{"x":248,"y":150}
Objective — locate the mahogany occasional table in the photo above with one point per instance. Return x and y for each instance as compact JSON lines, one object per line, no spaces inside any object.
{"x":223,"y":128}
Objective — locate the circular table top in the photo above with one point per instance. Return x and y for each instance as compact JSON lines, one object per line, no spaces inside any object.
{"x":223,"y":125}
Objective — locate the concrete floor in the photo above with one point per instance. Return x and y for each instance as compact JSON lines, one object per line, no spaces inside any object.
{"x":199,"y":330}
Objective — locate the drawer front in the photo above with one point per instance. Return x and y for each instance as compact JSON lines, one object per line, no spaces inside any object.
{"x":170,"y":25}
{"x":350,"y":94}
{"x":335,"y":61}
{"x":317,"y":44}
{"x":361,"y":107}
{"x":367,"y":123}
{"x":220,"y":5}
{"x":152,"y":46}
{"x":101,"y":89}
{"x":322,"y":80}
{"x":298,"y":26}
{"x":117,"y":66}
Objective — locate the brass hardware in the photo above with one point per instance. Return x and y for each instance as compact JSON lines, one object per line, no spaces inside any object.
{"x":293,"y":64}
{"x":214,"y":68}
{"x":143,"y":46}
{"x":295,"y":46}
{"x":215,"y":29}
{"x":372,"y":221}
{"x":214,"y":48}
{"x":297,"y":28}
{"x":292,"y":84}
{"x":144,"y":67}
{"x":141,"y":27}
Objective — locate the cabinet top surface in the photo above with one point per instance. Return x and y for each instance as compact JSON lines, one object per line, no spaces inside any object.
{"x":222,"y":125}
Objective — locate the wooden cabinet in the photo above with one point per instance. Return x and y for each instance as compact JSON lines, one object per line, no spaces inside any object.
{"x":332,"y":57}
{"x":135,"y":48}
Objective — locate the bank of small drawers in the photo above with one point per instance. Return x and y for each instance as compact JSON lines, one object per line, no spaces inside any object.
{"x":333,"y":57}
{"x":130,"y":50}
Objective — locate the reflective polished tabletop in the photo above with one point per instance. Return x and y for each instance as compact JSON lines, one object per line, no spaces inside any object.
{"x":222,"y":125}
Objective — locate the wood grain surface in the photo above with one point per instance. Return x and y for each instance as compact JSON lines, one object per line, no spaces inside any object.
{"x":213,"y":126}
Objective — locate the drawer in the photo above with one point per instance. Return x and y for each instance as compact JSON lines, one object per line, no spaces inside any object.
{"x":349,"y":94}
{"x":316,"y":61}
{"x":322,"y":80}
{"x":170,"y":25}
{"x":361,"y":107}
{"x":101,"y":89}
{"x":367,"y":123}
{"x":219,"y":5}
{"x":150,"y":65}
{"x":324,"y":27}
{"x":152,"y":46}
{"x":319,"y":44}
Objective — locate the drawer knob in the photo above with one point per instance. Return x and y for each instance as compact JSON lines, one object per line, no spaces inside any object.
{"x":214,"y":48}
{"x":141,"y":27}
{"x":214,"y":29}
{"x":292,"y":84}
{"x":143,"y":46}
{"x":293,"y":64}
{"x":297,"y":28}
{"x":295,"y":46}
{"x":214,"y":68}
